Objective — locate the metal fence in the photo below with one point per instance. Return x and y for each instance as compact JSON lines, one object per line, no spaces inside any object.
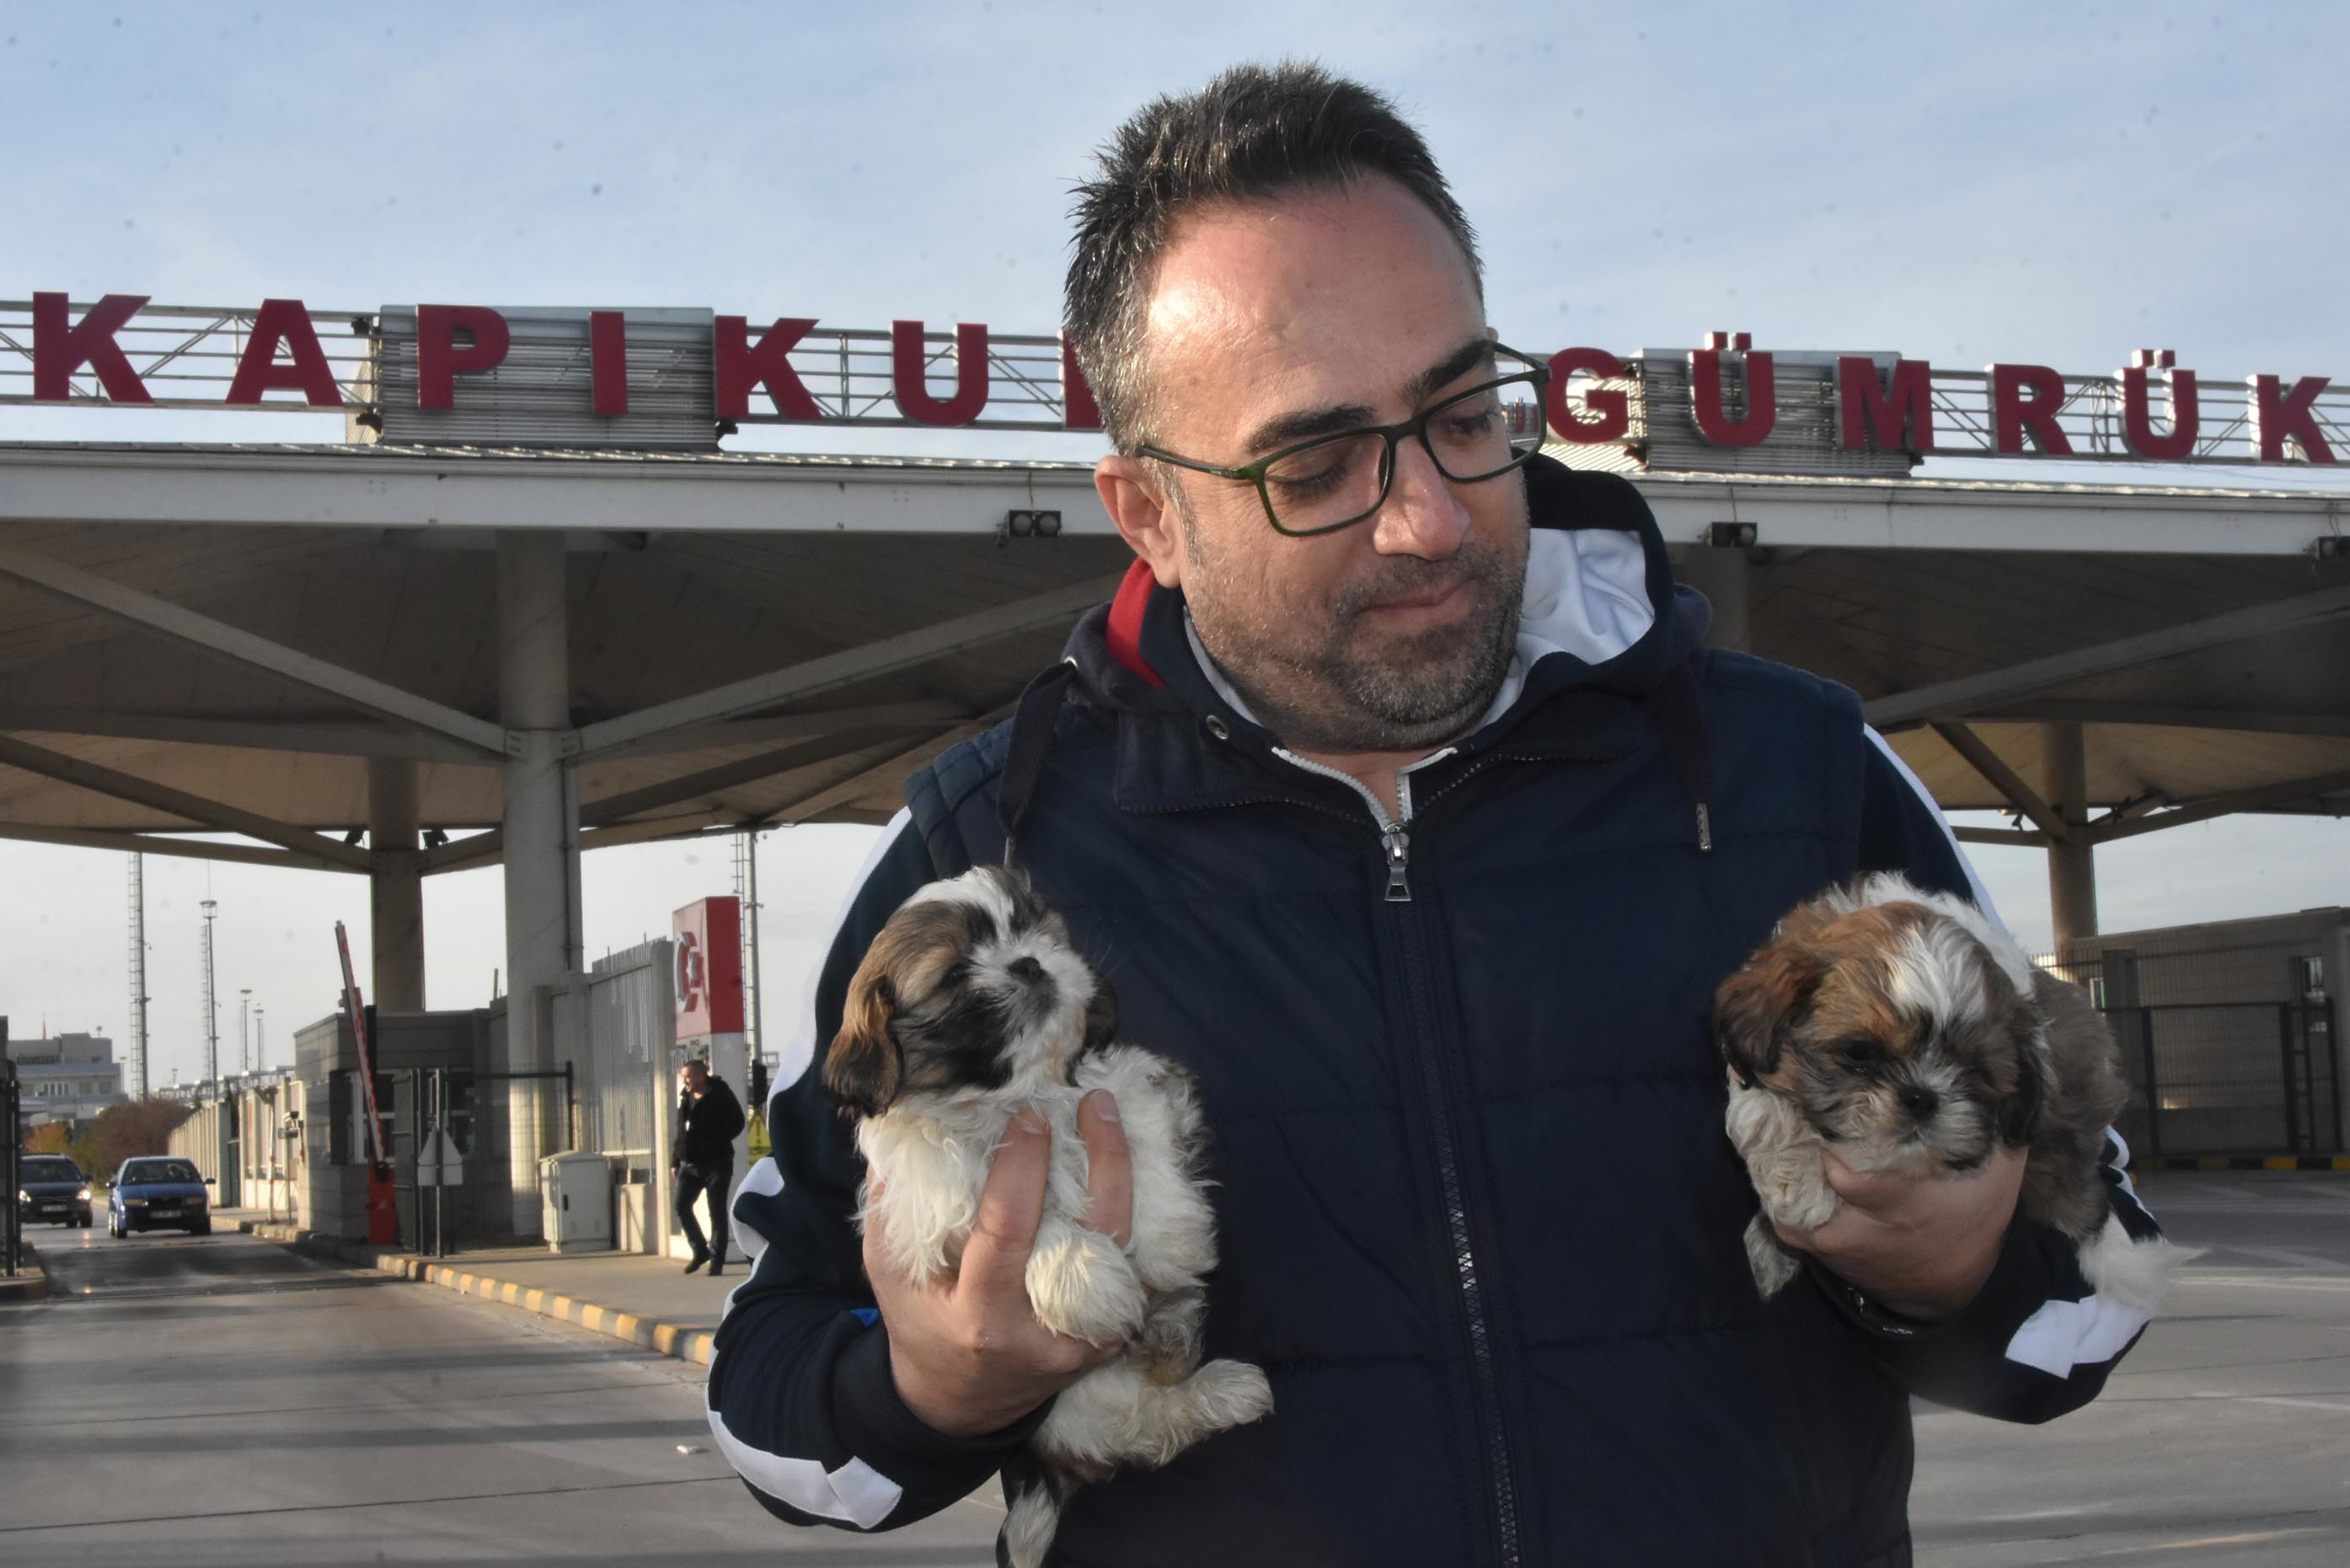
{"x":2229,"y":1051}
{"x":438,"y":1218}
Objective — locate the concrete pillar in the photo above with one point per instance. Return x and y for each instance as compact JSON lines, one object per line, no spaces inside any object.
{"x":542,"y":836}
{"x":1721,"y":575}
{"x":2072,"y":865}
{"x":395,"y":886}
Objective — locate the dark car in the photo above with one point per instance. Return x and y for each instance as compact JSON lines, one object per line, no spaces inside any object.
{"x":52,"y":1188}
{"x":158,"y":1191}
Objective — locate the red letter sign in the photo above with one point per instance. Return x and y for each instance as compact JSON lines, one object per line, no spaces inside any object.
{"x":738,"y":368}
{"x":58,"y":350}
{"x":2277,"y":419}
{"x":1705,"y":396}
{"x":708,"y":937}
{"x":914,"y":400}
{"x":439,"y":360}
{"x":257,"y":371}
{"x":2013,"y":411}
{"x":608,"y":362}
{"x":2137,"y":410}
{"x":1902,"y":420}
{"x":1079,"y":409}
{"x":1611,"y":410}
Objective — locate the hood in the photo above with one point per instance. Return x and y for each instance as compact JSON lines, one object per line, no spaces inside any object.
{"x":1600,"y":610}
{"x":1602,"y":631}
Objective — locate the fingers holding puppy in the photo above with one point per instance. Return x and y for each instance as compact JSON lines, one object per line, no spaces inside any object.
{"x":967,"y":1353}
{"x":1922,"y":1246}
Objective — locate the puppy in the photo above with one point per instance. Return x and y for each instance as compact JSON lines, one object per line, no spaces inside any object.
{"x":969,"y":1006}
{"x":1910,"y":1033}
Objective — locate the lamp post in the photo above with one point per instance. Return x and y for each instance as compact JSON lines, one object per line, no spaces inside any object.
{"x":244,"y":1030}
{"x":212,"y":1000}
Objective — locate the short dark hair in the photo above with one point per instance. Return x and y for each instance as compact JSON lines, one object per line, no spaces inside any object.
{"x":1252,"y":133}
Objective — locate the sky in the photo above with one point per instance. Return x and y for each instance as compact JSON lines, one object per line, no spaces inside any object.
{"x":1964,"y":183}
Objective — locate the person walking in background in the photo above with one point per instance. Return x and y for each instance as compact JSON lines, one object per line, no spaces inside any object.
{"x":709,"y":1118}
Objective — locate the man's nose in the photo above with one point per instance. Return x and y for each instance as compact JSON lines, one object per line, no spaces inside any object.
{"x":1424,"y":514}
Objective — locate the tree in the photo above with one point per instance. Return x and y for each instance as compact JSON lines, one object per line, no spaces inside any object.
{"x":49,"y":1138}
{"x":124,"y":1131}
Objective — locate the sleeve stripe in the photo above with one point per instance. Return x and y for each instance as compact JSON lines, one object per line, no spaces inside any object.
{"x":1980,"y":894}
{"x":855,"y":1494}
{"x":2065,"y":1334}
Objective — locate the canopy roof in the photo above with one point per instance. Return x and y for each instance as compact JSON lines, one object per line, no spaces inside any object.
{"x":200,"y":639}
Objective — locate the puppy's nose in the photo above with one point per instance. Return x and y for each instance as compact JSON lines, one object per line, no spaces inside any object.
{"x":1919,"y":1101}
{"x":1025,"y":968}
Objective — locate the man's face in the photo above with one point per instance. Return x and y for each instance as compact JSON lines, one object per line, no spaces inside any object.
{"x":696,"y":1077}
{"x":1272,"y":322}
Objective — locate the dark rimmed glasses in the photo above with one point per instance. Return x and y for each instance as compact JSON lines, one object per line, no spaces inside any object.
{"x":1333,"y":481}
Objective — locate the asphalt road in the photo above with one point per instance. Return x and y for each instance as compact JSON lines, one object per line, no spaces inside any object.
{"x":222,"y":1400}
{"x":2224,"y":1438}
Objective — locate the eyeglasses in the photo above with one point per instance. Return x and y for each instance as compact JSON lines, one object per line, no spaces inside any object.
{"x":1332,"y":482}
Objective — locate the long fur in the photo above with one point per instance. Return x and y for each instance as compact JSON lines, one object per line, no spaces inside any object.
{"x":1909,"y":1033}
{"x":970,"y":1005}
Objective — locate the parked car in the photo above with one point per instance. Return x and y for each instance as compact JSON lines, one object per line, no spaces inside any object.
{"x":51,"y":1187}
{"x":158,"y":1190}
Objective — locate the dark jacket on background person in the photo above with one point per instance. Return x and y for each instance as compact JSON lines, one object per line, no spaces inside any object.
{"x":707,"y":1128}
{"x":1480,"y":1221}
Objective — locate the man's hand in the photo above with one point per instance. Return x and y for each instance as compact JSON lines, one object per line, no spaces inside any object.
{"x":1922,"y":1246}
{"x":966,"y":1352}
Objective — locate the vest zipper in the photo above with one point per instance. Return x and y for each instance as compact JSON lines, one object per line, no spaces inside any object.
{"x":1397,"y":844}
{"x":1395,"y":847}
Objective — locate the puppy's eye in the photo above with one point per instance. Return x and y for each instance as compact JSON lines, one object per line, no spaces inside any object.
{"x":1861,"y":1053}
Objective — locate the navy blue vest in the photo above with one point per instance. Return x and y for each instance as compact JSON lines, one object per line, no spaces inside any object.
{"x":1480,"y":1221}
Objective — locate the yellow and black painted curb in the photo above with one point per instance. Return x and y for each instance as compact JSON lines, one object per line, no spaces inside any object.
{"x":677,"y":1340}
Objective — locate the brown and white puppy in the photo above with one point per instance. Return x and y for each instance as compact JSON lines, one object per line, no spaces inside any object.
{"x":970,"y":1005}
{"x":1908,"y":1032}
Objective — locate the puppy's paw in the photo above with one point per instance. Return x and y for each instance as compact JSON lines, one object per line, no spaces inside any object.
{"x":2132,"y":1273}
{"x":1162,"y":1419}
{"x":1081,"y":1284}
{"x":1772,"y":1261}
{"x":1225,"y":1394}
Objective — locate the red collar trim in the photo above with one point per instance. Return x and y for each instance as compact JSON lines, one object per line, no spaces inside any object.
{"x":1124,"y":633}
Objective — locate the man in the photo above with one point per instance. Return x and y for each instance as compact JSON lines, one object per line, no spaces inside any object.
{"x":709,"y":1119}
{"x":1400,"y":800}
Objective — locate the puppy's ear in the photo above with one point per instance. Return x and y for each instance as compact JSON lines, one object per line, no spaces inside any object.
{"x":864,"y":1067}
{"x":2019,"y":1113}
{"x":1755,"y":1010}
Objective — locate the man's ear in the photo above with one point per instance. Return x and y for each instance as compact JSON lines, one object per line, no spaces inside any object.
{"x":1138,"y":503}
{"x":864,"y":1066}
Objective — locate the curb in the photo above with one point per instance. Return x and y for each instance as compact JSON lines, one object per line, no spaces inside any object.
{"x":31,"y":1284}
{"x":2340,"y":1162}
{"x":678,"y":1340}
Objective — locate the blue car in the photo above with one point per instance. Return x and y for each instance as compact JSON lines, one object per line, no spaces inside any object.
{"x":158,"y":1191}
{"x":51,"y":1187}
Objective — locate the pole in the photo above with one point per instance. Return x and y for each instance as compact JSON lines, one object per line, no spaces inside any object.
{"x":138,"y":975}
{"x":244,"y":1030}
{"x":260,"y":1050}
{"x":212,"y":1003}
{"x":365,"y":1048}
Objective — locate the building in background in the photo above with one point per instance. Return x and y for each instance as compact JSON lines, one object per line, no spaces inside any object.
{"x":66,"y":1078}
